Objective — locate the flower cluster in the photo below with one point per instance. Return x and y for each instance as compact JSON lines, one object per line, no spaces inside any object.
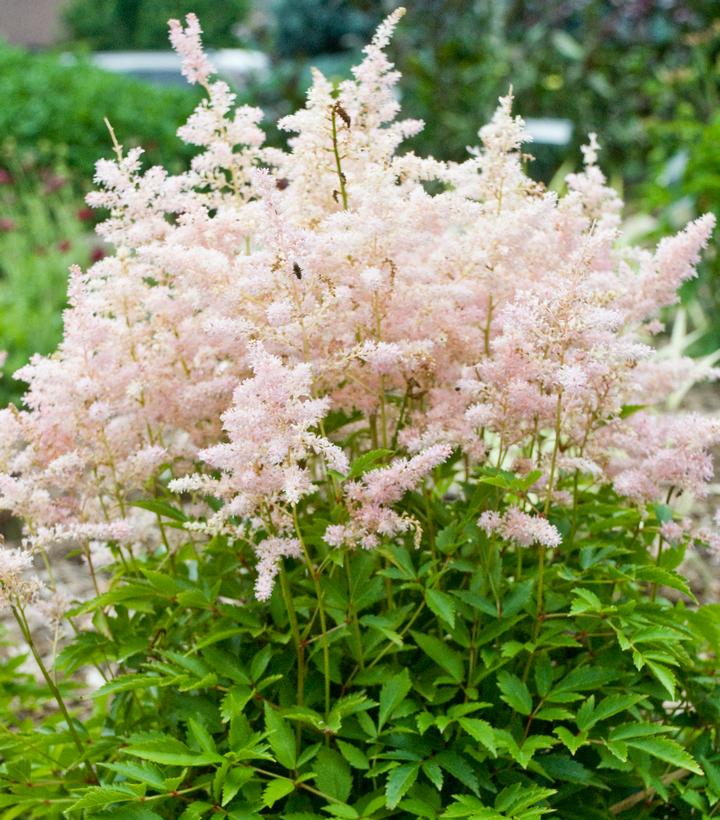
{"x":18,"y":584}
{"x":262,"y":293}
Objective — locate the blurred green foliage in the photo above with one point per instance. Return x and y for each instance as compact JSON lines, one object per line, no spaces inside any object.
{"x":53,"y":110}
{"x":598,"y":63}
{"x":682,"y":178}
{"x":43,"y":230}
{"x":138,"y":24}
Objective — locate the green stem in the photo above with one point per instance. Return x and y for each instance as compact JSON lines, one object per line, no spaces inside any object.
{"x":548,"y":499}
{"x":336,"y":152}
{"x":321,"y":611}
{"x":295,"y":629}
{"x":17,"y":611}
{"x":354,"y":615}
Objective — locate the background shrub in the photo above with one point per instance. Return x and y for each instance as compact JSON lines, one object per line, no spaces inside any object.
{"x":53,"y":111}
{"x":142,"y":24}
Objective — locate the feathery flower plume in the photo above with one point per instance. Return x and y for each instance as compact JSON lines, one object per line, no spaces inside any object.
{"x":269,"y":314}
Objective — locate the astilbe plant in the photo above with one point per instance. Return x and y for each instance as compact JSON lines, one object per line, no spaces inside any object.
{"x":365,"y":456}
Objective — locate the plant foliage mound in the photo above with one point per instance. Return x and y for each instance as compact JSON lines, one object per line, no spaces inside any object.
{"x":364,"y":456}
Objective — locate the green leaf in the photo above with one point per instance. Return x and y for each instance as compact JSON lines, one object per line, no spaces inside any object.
{"x":260,"y":662}
{"x":161,"y":508}
{"x":630,"y":410}
{"x":627,"y":730}
{"x":665,"y":676}
{"x":202,"y":737}
{"x":100,"y":796}
{"x":456,"y":765}
{"x":276,"y":790}
{"x":170,"y":751}
{"x":144,"y":772}
{"x":585,"y":601}
{"x":666,"y":749}
{"x":434,"y":773}
{"x":234,"y":702}
{"x":196,"y":810}
{"x":280,"y":737}
{"x":354,"y":756}
{"x":348,"y":705}
{"x":442,"y":654}
{"x":481,"y":731}
{"x":128,"y":683}
{"x":665,"y":578}
{"x":514,"y":799}
{"x":367,"y":461}
{"x":609,"y":706}
{"x":399,"y":782}
{"x":583,"y":678}
{"x":514,"y":692}
{"x":466,"y":806}
{"x":442,"y":605}
{"x":235,"y":779}
{"x":573,"y":742}
{"x":392,"y":694}
{"x":332,"y":774}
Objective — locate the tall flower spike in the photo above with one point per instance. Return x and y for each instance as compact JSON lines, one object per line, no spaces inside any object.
{"x":188,"y":43}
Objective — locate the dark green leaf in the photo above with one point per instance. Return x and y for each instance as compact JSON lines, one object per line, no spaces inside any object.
{"x":398,"y":782}
{"x":514,"y":692}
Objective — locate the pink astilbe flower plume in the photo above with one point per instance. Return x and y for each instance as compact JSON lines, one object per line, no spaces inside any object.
{"x":371,"y":498}
{"x":523,"y":529}
{"x":267,"y":316}
{"x":188,"y":44}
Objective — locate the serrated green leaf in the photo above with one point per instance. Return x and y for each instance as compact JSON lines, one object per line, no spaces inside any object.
{"x":399,"y":782}
{"x":332,"y":774}
{"x":202,"y":737}
{"x":456,"y":765}
{"x":392,"y":694}
{"x":100,"y":796}
{"x":434,"y":773}
{"x":442,"y":605}
{"x":628,"y":730}
{"x":276,"y":790}
{"x":583,"y":678}
{"x":609,"y":706}
{"x":260,"y":663}
{"x":664,"y":577}
{"x":665,"y":676}
{"x":585,"y":601}
{"x":170,"y":751}
{"x":234,"y":702}
{"x":280,"y":737}
{"x":142,"y":772}
{"x":666,"y":749}
{"x":466,"y":806}
{"x":354,"y":756}
{"x":196,"y":810}
{"x":481,"y":731}
{"x":514,"y":692}
{"x":553,"y":713}
{"x":571,"y":741}
{"x":442,"y":654}
{"x":235,"y":779}
{"x":514,"y":799}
